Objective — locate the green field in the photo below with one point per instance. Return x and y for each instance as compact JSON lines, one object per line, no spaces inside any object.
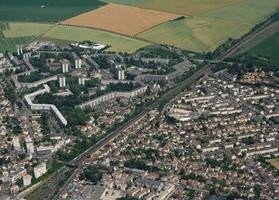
{"x":196,"y":34}
{"x":210,"y":24}
{"x":12,"y":34}
{"x":249,"y":12}
{"x":268,"y":48}
{"x":15,"y":29}
{"x":207,"y":31}
{"x":10,"y":43}
{"x":182,"y":7}
{"x":44,"y":10}
{"x":75,"y":34}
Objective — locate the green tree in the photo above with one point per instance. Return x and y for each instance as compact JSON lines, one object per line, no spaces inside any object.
{"x":92,"y":174}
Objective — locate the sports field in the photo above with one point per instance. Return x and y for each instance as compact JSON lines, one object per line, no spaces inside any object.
{"x":44,"y":10}
{"x":268,"y":48}
{"x":181,"y":7}
{"x":76,"y":34}
{"x":121,"y":19}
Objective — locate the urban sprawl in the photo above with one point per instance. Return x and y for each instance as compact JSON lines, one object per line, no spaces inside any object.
{"x":89,"y":114}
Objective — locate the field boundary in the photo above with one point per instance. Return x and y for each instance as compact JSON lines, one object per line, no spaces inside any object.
{"x":112,"y":32}
{"x":160,"y":24}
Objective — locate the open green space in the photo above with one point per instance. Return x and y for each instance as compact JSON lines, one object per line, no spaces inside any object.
{"x":76,"y":34}
{"x":44,"y":10}
{"x":268,"y":48}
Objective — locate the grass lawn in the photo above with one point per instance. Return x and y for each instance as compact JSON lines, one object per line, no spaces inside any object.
{"x":274,"y":162}
{"x":268,"y":48}
{"x":181,"y":7}
{"x":44,"y":10}
{"x":76,"y":34}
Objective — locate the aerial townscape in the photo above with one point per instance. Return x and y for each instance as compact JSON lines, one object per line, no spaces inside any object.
{"x":139,"y":99}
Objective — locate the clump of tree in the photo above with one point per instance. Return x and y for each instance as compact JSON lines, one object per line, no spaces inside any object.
{"x":34,"y":76}
{"x":92,"y":174}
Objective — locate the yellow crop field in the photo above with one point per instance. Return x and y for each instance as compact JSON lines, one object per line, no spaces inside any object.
{"x":121,"y":19}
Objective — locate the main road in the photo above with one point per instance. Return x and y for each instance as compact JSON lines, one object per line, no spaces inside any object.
{"x":51,"y":186}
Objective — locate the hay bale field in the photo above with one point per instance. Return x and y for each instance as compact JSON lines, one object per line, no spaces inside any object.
{"x":121,"y":19}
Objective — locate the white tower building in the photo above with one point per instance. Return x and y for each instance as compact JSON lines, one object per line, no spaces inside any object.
{"x":19,"y":49}
{"x":81,"y":80}
{"x":62,"y":81}
{"x":65,"y":67}
{"x":121,"y":74}
{"x":78,"y":63}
